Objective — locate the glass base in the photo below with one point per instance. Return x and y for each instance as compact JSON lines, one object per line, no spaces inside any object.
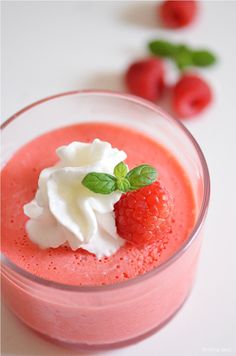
{"x":105,"y":347}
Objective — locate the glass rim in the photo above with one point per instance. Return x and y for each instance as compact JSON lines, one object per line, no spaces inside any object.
{"x":164,"y":265}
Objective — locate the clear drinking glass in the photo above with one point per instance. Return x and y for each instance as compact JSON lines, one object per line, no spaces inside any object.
{"x":114,"y":315}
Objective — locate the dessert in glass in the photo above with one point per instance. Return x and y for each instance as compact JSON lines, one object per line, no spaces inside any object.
{"x":72,"y":266}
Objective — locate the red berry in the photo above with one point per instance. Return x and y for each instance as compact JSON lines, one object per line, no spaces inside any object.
{"x":144,"y":216}
{"x":191,"y":95}
{"x":175,"y":14}
{"x":146,"y":78}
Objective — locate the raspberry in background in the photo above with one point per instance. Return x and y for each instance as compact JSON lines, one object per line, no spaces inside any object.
{"x":144,"y":216}
{"x":176,"y":14}
{"x":145,"y":78}
{"x":191,"y":95}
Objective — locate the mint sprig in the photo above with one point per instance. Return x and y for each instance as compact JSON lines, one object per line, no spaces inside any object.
{"x":183,"y":56}
{"x":120,"y":170}
{"x":141,"y":176}
{"x":162,"y":48}
{"x":123,"y":185}
{"x":203,"y":58}
{"x":100,"y":182}
{"x":122,"y":180}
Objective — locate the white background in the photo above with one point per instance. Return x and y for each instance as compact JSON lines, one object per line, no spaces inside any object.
{"x":50,"y":47}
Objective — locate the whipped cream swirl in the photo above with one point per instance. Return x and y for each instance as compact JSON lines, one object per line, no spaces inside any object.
{"x":65,"y":212}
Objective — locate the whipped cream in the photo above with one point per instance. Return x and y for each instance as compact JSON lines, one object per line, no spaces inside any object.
{"x":65,"y":212}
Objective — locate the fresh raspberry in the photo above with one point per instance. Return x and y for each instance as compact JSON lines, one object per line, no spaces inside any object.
{"x":146,"y":78}
{"x":143,"y":216}
{"x":191,"y":95}
{"x":175,"y":14}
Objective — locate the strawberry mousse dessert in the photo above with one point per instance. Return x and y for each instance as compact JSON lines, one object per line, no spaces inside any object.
{"x":103,"y":201}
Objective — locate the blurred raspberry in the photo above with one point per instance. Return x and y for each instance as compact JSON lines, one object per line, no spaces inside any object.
{"x":191,"y":95}
{"x":145,"y":78}
{"x":175,"y":14}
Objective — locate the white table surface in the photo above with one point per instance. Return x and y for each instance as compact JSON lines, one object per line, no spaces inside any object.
{"x":50,"y":47}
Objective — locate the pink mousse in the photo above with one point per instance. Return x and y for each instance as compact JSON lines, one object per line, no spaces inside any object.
{"x":19,"y":184}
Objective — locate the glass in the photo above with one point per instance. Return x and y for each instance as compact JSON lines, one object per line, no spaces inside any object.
{"x":114,"y":315}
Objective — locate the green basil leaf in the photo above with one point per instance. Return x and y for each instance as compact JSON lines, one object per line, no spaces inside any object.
{"x":203,"y":58}
{"x":100,"y":183}
{"x":162,"y":48}
{"x":183,"y":57}
{"x":183,"y":48}
{"x":141,"y":176}
{"x":120,"y":170}
{"x":123,"y":185}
